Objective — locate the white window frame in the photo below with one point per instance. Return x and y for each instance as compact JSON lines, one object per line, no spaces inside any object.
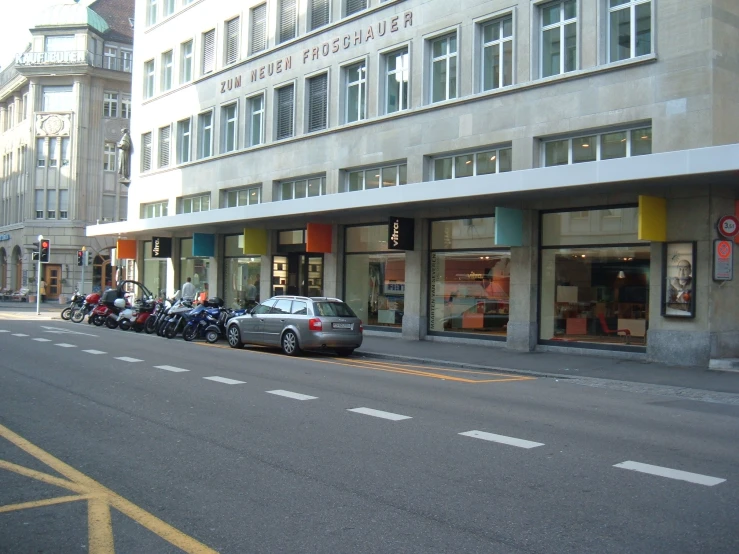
{"x":187,"y":61}
{"x":208,"y":52}
{"x":631,"y":6}
{"x":245,"y":193}
{"x":164,"y":158}
{"x":282,"y":185}
{"x":360,"y":84}
{"x":195,"y":204}
{"x":310,"y":126}
{"x":287,"y":17}
{"x":403,"y":72}
{"x":447,"y":58}
{"x":110,"y":104}
{"x":279,"y":113}
{"x":110,"y":57}
{"x":231,"y":40}
{"x":257,"y":114}
{"x":109,"y":157}
{"x":146,"y":147}
{"x":598,"y":137}
{"x":495,"y":150}
{"x":354,"y":6}
{"x":168,"y":7}
{"x":184,"y":141}
{"x":258,"y":28}
{"x":126,"y":60}
{"x":313,"y":9}
{"x":152,"y":11}
{"x":149,"y":77}
{"x":154,"y":209}
{"x":369,"y":170}
{"x":202,"y":129}
{"x":126,"y":106}
{"x":229,"y":127}
{"x":561,"y":24}
{"x":499,"y":43}
{"x":167,"y":70}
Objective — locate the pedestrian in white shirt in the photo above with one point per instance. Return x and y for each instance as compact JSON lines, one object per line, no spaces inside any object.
{"x":188,"y":290}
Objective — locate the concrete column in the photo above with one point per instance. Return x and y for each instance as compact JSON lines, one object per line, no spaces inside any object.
{"x":415,"y":316}
{"x":333,"y":266}
{"x":523,"y":332}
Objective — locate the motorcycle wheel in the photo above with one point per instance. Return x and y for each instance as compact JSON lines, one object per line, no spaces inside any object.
{"x":170,"y":332}
{"x":78,"y":316}
{"x":97,"y":320}
{"x":111,"y":323}
{"x":189,"y":333}
{"x":124,"y":324}
{"x":67,"y":314}
{"x":212,"y":337}
{"x":151,"y":325}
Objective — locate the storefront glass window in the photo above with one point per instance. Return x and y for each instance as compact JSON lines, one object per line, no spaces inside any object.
{"x":198,"y":269}
{"x":241,"y":275}
{"x":155,"y":273}
{"x":374,"y":277}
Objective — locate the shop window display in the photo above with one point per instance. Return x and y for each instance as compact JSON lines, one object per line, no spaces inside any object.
{"x":198,"y":269}
{"x":241,"y":275}
{"x":155,"y":273}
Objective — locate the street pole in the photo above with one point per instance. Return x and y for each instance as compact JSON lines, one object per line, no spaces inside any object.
{"x":38,"y":277}
{"x":84,"y":262}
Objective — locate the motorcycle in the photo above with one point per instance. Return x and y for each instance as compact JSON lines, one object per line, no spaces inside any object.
{"x":176,"y":320}
{"x":135,"y":318}
{"x":75,"y":302}
{"x":91,"y":300}
{"x":217,"y":329}
{"x":198,"y":319}
{"x":107,"y":306}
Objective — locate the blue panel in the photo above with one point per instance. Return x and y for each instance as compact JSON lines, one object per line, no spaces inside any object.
{"x":508,"y":227}
{"x":203,"y":245}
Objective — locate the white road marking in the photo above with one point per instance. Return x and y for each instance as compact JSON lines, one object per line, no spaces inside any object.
{"x":295,"y":395}
{"x":696,"y":478}
{"x":225,"y":380}
{"x":512,"y":441}
{"x":94,"y":351}
{"x":127,"y":359}
{"x":43,"y":340}
{"x":65,"y":345}
{"x":19,"y":335}
{"x":170,"y":368}
{"x":60,"y":330}
{"x":4,"y":331}
{"x":378,"y":413}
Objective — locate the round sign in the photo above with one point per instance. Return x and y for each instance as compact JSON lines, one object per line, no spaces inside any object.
{"x":723,"y":249}
{"x":728,"y":226}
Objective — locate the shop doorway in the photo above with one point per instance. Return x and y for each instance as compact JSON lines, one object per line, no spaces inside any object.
{"x":53,"y":279}
{"x":297,"y":273}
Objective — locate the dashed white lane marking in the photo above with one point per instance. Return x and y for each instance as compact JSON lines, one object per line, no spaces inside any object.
{"x":127,"y":359}
{"x":294,"y":395}
{"x":19,"y":335}
{"x":4,"y":331}
{"x":94,"y":351}
{"x":170,"y":368}
{"x":378,"y":413}
{"x":696,"y":478}
{"x":65,"y":345}
{"x":512,"y":441}
{"x":225,"y":380}
{"x":43,"y":340}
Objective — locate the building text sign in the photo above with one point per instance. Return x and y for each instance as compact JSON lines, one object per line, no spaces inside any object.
{"x":48,"y":58}
{"x":161,"y":247}
{"x":400,"y":233}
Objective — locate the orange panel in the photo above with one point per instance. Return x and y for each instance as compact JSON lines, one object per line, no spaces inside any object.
{"x":318,"y":238}
{"x":473,"y":320}
{"x":125,"y":250}
{"x":577,"y":326}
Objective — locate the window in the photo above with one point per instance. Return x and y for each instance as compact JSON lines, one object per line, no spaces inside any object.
{"x":63,"y":204}
{"x":126,"y":106}
{"x":164,"y":145}
{"x":256,"y":119}
{"x":319,"y":13}
{"x":285,"y":96}
{"x":317,"y":102}
{"x":558,"y":37}
{"x":146,"y":152}
{"x":108,"y":207}
{"x":209,"y":51}
{"x":186,"y":62}
{"x":497,"y":53}
{"x":58,"y":99}
{"x":168,"y":7}
{"x":229,"y":128}
{"x":196,"y":204}
{"x":288,"y":20}
{"x":629,"y":28}
{"x":24,"y":107}
{"x":166,"y":69}
{"x":110,"y":58}
{"x":183,"y":141}
{"x":154,"y":209}
{"x":205,"y":135}
{"x":242,"y":197}
{"x":51,"y":204}
{"x":39,"y":204}
{"x":231,"y":52}
{"x":397,"y":71}
{"x":40,"y":152}
{"x":126,"y":60}
{"x":53,"y":160}
{"x":10,"y":116}
{"x":109,"y":157}
{"x":474,"y":163}
{"x":354,"y":6}
{"x":110,"y":104}
{"x":149,"y":79}
{"x":258,"y":28}
{"x":151,"y":12}
{"x":65,"y":151}
{"x":444,"y":68}
{"x":59,"y":43}
{"x":604,"y":146}
{"x":377,"y":177}
{"x":356,"y":91}
{"x":302,"y":188}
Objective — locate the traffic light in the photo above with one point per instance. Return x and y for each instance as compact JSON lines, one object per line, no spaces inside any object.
{"x":88,"y":257}
{"x":44,"y":251}
{"x":81,"y":257}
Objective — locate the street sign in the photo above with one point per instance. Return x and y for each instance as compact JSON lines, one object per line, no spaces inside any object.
{"x":728,"y":226}
{"x":723,"y":260}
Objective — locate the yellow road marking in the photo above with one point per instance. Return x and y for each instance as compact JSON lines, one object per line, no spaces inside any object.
{"x":41,"y":503}
{"x":98,"y":516}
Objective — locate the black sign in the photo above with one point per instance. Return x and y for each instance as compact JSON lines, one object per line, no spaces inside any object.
{"x":161,"y":247}
{"x":400,"y":233}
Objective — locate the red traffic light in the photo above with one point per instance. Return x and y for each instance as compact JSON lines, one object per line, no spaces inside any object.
{"x":44,"y":244}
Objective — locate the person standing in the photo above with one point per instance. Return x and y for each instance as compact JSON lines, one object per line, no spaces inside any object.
{"x":188,"y":290}
{"x":42,"y":290}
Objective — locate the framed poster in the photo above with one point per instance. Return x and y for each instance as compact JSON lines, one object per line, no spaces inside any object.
{"x":678,"y":279}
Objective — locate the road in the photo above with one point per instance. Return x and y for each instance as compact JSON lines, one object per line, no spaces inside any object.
{"x":118,"y":442}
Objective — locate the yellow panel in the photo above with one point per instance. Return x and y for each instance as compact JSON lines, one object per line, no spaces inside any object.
{"x":652,"y":219}
{"x":255,"y":241}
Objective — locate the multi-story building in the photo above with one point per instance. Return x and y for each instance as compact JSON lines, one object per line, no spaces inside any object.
{"x":534,"y":174}
{"x":63,"y":103}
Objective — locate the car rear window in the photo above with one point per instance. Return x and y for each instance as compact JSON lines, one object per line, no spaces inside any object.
{"x":333,"y":309}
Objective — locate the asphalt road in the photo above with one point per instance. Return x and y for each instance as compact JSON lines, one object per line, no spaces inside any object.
{"x":373,"y":457}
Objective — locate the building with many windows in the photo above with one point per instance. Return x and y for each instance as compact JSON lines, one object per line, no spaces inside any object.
{"x":533,"y":174}
{"x":63,"y":103}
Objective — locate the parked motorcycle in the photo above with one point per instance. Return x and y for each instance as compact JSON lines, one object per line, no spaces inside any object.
{"x":91,"y":300}
{"x":217,"y":329}
{"x":176,"y":321}
{"x":136,"y":317}
{"x":107,"y":307}
{"x":198,"y":320}
{"x":75,"y":302}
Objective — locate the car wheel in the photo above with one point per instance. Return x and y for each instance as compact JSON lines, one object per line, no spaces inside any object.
{"x":212,"y":337}
{"x":290,"y":344}
{"x":67,"y":314}
{"x":344,"y":351}
{"x":234,"y":337}
{"x":78,"y":316}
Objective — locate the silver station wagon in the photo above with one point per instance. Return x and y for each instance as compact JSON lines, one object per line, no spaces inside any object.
{"x":296,"y":323}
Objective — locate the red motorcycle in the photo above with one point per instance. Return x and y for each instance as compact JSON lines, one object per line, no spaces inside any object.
{"x":112,"y":301}
{"x":142,"y":310}
{"x":91,"y":300}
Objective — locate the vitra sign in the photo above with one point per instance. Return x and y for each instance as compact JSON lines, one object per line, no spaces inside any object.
{"x":161,"y":247}
{"x":400,"y":233}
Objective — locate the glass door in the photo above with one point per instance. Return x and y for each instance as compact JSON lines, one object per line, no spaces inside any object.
{"x":52,"y":278}
{"x":298,"y":274}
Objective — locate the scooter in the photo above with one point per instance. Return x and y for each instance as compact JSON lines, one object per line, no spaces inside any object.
{"x":198,"y":319}
{"x":106,"y":307}
{"x":75,"y":302}
{"x":91,"y":300}
{"x":217,"y":330}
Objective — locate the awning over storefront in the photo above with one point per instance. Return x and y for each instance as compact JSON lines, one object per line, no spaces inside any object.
{"x":652,"y":219}
{"x":255,"y":241}
{"x":319,"y":238}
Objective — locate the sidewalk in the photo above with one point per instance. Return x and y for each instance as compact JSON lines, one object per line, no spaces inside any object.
{"x":548,"y":364}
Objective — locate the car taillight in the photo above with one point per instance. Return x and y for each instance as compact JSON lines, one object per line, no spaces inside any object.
{"x":315,"y":324}
{"x":361,"y":328}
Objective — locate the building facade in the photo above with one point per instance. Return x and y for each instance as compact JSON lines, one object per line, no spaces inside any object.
{"x":63,"y":103}
{"x":532,"y":174}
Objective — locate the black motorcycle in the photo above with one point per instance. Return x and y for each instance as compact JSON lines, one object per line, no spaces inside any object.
{"x":76,"y":302}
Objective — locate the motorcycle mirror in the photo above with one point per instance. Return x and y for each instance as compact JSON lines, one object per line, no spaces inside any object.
{"x":177,"y":295}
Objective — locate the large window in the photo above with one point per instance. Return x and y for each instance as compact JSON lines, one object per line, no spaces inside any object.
{"x":594,"y":278}
{"x":164,"y":145}
{"x":197,"y":268}
{"x":474,"y":163}
{"x":110,"y":104}
{"x":166,"y":69}
{"x":317,"y":102}
{"x":256,"y":119}
{"x":258,"y":28}
{"x":59,"y":43}
{"x":146,"y":152}
{"x":241,"y":285}
{"x":209,"y":51}
{"x":58,"y":99}
{"x":186,"y":62}
{"x":154,"y":209}
{"x":355,"y":79}
{"x":110,"y":57}
{"x":497,"y":53}
{"x":242,"y":197}
{"x":603,"y":146}
{"x":231,"y":50}
{"x":444,"y":68}
{"x":354,"y":6}
{"x":288,"y":20}
{"x":374,"y":277}
{"x":205,"y":134}
{"x":184,"y":137}
{"x":397,"y":78}
{"x":302,"y":188}
{"x":285,"y":106}
{"x":629,"y":28}
{"x":229,"y":128}
{"x":195,"y":204}
{"x":168,"y":7}
{"x":558,"y":37}
{"x":377,"y":177}
{"x":126,"y":106}
{"x":155,"y":273}
{"x":318,"y":13}
{"x":109,"y":157}
{"x":151,"y":12}
{"x":149,"y":79}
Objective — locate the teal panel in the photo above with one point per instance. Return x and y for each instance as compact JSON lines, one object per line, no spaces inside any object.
{"x":203,"y":245}
{"x":508,"y":227}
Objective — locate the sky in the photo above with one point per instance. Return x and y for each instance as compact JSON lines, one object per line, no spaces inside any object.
{"x":17,"y":18}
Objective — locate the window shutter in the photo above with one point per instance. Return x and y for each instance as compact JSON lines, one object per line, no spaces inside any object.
{"x":318,"y":88}
{"x":146,"y":152}
{"x":209,"y":44}
{"x":288,"y":16}
{"x":285,"y":112}
{"x":353,"y":6}
{"x":259,"y":28}
{"x":232,"y":40}
{"x":164,"y":142}
{"x":318,"y":13}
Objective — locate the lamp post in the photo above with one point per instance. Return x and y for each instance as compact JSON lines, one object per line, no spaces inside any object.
{"x":84,"y":263}
{"x":38,"y":277}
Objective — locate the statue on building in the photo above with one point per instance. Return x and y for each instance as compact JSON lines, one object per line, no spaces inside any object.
{"x":124,"y":157}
